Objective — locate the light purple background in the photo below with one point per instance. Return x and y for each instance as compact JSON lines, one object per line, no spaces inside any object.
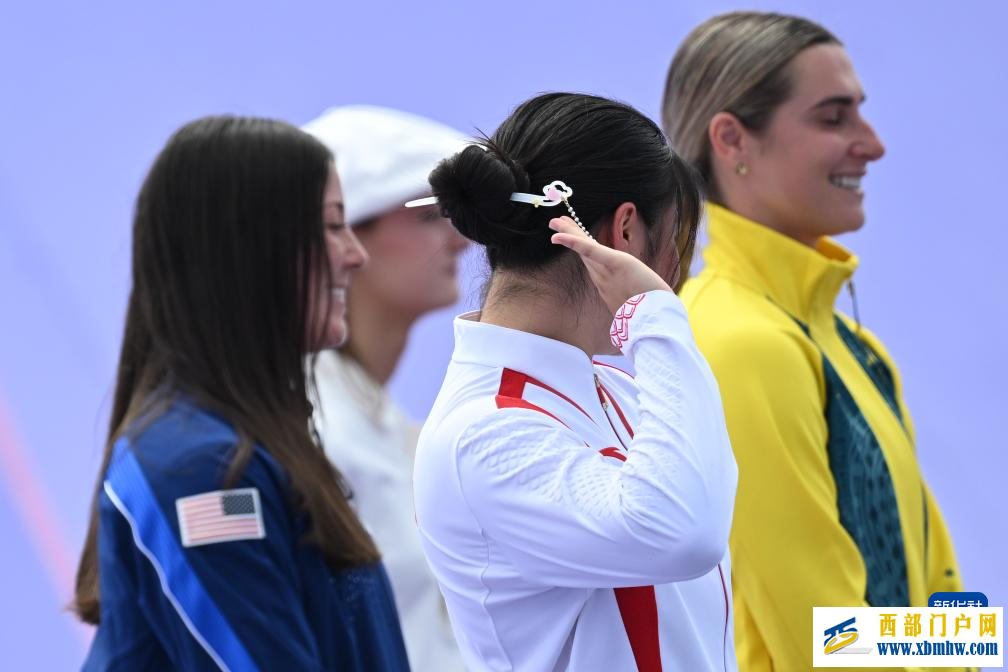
{"x":90,"y":92}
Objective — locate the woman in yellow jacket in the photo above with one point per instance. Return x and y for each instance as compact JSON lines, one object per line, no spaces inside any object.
{"x":832,"y":509}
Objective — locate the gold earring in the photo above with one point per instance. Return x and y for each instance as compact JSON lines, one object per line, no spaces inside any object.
{"x":741,"y":168}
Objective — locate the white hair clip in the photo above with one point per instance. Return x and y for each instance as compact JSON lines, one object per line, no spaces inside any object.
{"x":554,"y":193}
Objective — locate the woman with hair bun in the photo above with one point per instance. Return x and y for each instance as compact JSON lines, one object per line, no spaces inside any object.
{"x":577,"y":518}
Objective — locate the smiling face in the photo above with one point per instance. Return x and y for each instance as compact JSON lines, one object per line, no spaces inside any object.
{"x":344,"y":255}
{"x":805,"y":169}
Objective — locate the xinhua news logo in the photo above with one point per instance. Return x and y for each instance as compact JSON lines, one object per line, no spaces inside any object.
{"x":840,"y":637}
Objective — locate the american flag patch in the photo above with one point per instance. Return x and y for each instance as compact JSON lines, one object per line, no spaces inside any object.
{"x":222,"y":515}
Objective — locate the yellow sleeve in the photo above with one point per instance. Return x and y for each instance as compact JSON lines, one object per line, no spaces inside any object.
{"x":789,"y":550}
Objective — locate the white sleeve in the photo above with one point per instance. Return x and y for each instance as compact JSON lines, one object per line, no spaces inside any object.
{"x":567,"y":516}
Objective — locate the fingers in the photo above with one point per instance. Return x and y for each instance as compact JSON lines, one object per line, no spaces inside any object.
{"x":571,"y":236}
{"x":576,"y":242}
{"x":616,"y":275}
{"x":585,"y":248}
{"x":565,"y":224}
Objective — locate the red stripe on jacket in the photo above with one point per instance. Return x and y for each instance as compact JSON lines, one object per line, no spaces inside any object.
{"x":638,"y":606}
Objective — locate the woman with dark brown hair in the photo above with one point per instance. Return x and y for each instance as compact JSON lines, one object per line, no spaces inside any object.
{"x":221,"y":535}
{"x":383,"y":157}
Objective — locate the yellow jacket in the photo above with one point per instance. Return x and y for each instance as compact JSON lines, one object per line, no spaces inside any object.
{"x":831,"y":507}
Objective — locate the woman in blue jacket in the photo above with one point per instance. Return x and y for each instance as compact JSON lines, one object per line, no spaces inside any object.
{"x":221,"y":536}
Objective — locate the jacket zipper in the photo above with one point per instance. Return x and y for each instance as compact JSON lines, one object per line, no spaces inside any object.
{"x":605,"y":409}
{"x":601,"y":394}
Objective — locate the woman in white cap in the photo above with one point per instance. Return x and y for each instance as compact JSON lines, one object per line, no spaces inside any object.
{"x":383,"y":158}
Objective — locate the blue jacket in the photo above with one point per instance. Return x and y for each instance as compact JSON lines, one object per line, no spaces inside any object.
{"x":224,"y":580}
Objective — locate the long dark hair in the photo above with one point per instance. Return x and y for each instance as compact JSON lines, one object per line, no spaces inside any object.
{"x":606,"y":151}
{"x":227,"y":230}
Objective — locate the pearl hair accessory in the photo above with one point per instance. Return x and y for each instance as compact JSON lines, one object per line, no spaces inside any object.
{"x":554,"y":193}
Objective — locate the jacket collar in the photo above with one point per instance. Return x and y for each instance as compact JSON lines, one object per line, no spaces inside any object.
{"x":802,"y":280}
{"x":561,"y":366}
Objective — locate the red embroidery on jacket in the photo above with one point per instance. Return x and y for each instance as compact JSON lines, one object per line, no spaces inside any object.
{"x":620,"y":330}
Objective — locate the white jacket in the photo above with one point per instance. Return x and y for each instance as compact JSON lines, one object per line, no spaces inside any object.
{"x":371,"y":442}
{"x":572,"y":533}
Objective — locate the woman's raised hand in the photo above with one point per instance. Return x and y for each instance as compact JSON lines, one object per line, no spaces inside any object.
{"x":617,"y":275}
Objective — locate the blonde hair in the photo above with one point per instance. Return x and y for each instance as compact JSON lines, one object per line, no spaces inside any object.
{"x":737,"y":63}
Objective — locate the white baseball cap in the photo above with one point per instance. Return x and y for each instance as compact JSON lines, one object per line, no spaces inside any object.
{"x":383,"y":156}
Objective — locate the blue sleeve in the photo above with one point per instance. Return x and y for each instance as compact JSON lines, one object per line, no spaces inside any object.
{"x":234,"y":605}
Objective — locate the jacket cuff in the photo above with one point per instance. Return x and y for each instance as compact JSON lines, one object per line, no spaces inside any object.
{"x":641,"y":313}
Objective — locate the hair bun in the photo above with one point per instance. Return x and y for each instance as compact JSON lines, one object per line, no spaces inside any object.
{"x":474,"y":190}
